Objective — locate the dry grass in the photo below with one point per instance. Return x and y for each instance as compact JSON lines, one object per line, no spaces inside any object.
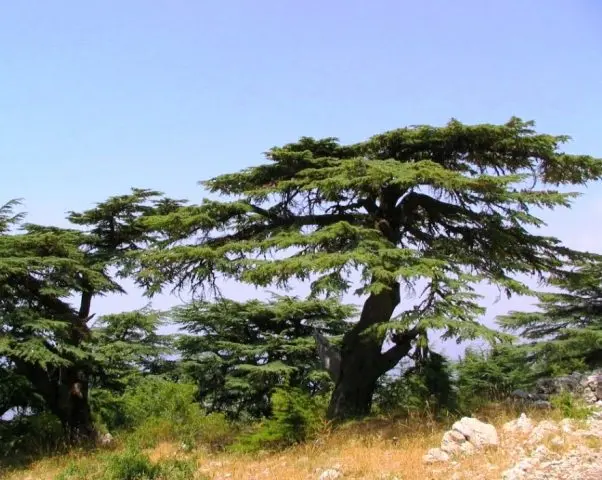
{"x":374,"y":449}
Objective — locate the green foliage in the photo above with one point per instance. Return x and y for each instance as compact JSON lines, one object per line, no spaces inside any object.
{"x":427,"y":387}
{"x":48,"y":279}
{"x":296,"y":417}
{"x":158,"y":410}
{"x":28,"y":435}
{"x":570,"y":406}
{"x":566,"y":331}
{"x":485,"y":376}
{"x":127,"y":346}
{"x":239,"y":353}
{"x":157,"y":398}
{"x":446,"y":207}
{"x":130,"y":465}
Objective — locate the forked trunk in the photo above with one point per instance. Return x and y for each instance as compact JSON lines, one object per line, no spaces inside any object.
{"x":362,"y":362}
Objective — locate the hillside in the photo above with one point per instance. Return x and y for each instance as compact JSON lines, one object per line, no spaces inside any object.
{"x":547,"y":446}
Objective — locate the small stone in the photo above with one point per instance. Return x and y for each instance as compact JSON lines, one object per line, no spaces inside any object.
{"x":542,"y":430}
{"x":566,"y":425}
{"x":435,"y":455}
{"x":543,"y":404}
{"x":330,"y":474}
{"x":557,"y":441}
{"x":106,"y":439}
{"x":540,"y":452}
{"x":522,"y":425}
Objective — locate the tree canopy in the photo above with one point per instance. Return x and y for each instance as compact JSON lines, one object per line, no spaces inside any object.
{"x":446,"y":207}
{"x":412,"y":220}
{"x":239,"y":353}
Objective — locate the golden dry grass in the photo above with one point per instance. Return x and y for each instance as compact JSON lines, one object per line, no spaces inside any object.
{"x":374,"y":449}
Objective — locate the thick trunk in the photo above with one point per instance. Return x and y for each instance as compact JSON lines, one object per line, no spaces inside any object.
{"x":362,"y":362}
{"x":65,"y":394}
{"x":352,"y":396}
{"x":72,"y":406}
{"x":73,"y":385}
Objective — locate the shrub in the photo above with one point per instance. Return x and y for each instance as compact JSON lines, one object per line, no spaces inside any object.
{"x":129,"y":465}
{"x":27,"y":435}
{"x":570,"y":406}
{"x":426,"y":388}
{"x":296,"y":417}
{"x":491,"y":376}
{"x":175,"y":469}
{"x":158,"y":398}
{"x":157,"y":410}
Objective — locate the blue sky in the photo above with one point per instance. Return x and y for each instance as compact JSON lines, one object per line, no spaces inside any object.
{"x":96,"y":97}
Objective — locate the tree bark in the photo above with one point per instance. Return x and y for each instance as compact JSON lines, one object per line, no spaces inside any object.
{"x":73,"y":385}
{"x":362,"y":362}
{"x":65,"y":394}
{"x":72,"y":406}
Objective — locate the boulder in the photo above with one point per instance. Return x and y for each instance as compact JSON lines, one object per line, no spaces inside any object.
{"x":105,"y":440}
{"x":478,"y":433}
{"x":544,"y":429}
{"x":466,"y":437}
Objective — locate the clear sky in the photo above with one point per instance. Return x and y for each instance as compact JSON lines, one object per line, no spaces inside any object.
{"x":97,"y":97}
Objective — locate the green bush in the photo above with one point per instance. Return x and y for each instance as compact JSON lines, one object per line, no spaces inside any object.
{"x":296,"y":417}
{"x":129,"y":465}
{"x":27,"y":435}
{"x":212,"y":431}
{"x":174,"y":469}
{"x":570,"y":406}
{"x":492,"y":376}
{"x":157,"y":410}
{"x":427,"y":388}
{"x":107,"y":410}
{"x":158,"y":398}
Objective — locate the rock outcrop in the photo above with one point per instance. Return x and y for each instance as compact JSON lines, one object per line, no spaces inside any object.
{"x":565,"y":457}
{"x":587,"y":386}
{"x":466,"y":436}
{"x":544,"y":450}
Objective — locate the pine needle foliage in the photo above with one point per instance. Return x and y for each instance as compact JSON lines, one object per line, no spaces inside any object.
{"x":238,"y":353}
{"x":442,"y":206}
{"x":565,"y":332}
{"x":48,"y":279}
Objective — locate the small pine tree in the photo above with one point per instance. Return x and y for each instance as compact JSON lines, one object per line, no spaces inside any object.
{"x":295,"y":418}
{"x":566,"y":331}
{"x":484,"y":376}
{"x":239,"y":353}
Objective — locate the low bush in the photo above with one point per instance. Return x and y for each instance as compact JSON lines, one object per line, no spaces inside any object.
{"x":130,"y":465}
{"x":424,"y":389}
{"x":483,"y":377}
{"x":27,"y":435}
{"x":156,"y":410}
{"x":570,"y":406}
{"x":296,"y":417}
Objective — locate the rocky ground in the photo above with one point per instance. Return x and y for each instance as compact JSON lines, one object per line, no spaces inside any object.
{"x":545,"y":450}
